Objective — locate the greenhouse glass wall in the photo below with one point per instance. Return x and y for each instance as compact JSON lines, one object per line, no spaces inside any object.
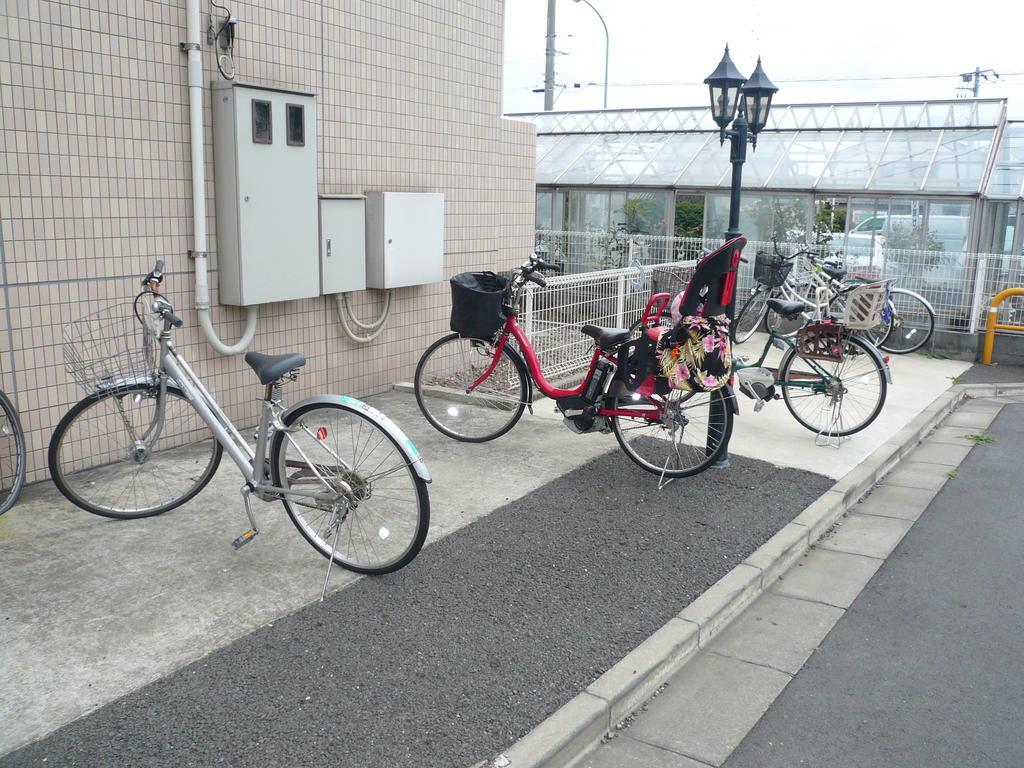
{"x":936,"y":176}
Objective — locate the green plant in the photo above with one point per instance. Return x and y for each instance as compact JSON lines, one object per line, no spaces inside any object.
{"x":951,"y":474}
{"x":979,"y":439}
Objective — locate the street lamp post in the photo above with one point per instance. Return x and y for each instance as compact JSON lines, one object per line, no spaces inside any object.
{"x":607,"y":43}
{"x":744,"y":103}
{"x":737,"y":100}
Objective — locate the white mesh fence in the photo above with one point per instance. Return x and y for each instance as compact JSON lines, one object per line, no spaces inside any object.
{"x":959,"y":286}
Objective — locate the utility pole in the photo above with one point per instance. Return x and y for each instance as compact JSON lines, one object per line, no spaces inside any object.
{"x":977,"y":76}
{"x":549,"y":60}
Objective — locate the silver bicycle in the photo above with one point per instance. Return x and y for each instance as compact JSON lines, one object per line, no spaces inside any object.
{"x":149,"y":437}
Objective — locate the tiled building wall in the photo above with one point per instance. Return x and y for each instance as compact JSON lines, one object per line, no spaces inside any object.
{"x":95,"y":181}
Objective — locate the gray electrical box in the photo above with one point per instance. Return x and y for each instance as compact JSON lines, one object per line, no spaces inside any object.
{"x":265,"y":162}
{"x":404,"y":239}
{"x":342,"y":243}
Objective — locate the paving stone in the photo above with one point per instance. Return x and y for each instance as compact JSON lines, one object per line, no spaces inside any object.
{"x":868,"y":535}
{"x":950,"y":435}
{"x":626,"y":752}
{"x":940,"y":453}
{"x":972,"y":419}
{"x":777,"y":631}
{"x":900,"y":501}
{"x":709,"y":707}
{"x":827,"y":576}
{"x":930,"y":477}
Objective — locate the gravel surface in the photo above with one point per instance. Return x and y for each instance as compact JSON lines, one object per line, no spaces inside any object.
{"x":448,"y":661}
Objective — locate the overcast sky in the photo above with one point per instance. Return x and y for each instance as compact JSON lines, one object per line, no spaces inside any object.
{"x":661,"y":50}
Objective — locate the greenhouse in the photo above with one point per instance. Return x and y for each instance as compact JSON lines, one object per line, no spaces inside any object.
{"x":934,"y":176}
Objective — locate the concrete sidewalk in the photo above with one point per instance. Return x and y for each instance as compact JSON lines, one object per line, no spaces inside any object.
{"x":924,"y":669}
{"x":96,"y":608}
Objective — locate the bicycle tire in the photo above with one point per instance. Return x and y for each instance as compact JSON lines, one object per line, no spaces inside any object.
{"x":911,"y":325}
{"x":751,"y":316}
{"x":848,"y":401}
{"x":12,"y":454}
{"x":446,"y":371}
{"x":689,"y":437}
{"x":383,"y":521}
{"x":95,"y":460}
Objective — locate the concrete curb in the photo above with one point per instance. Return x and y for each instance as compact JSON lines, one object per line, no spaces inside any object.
{"x":565,"y":736}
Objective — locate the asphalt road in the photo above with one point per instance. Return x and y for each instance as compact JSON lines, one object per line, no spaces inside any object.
{"x":926,"y":669}
{"x":446,"y":662}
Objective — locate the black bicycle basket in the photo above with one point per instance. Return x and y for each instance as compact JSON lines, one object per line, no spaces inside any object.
{"x":771,"y":270}
{"x":476,"y":304}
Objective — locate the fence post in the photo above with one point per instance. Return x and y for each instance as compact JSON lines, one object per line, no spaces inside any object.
{"x":620,"y":299}
{"x":980,"y":275}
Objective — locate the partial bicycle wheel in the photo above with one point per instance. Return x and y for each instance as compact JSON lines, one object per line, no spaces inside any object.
{"x":447,"y":371}
{"x":12,"y":454}
{"x":129,"y":453}
{"x":911,"y":324}
{"x":676,"y":435}
{"x":842,"y":397}
{"x":380,"y":520}
{"x":751,"y":317}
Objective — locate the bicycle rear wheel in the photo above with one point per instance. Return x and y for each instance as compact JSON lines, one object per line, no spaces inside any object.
{"x":129,"y":453}
{"x":751,"y":316}
{"x":911,"y":325}
{"x":380,"y":520}
{"x":843,"y":397}
{"x":675,"y":435}
{"x":449,"y":367}
{"x":12,"y":454}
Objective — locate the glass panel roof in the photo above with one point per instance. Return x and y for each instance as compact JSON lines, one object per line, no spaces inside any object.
{"x":673,"y":158}
{"x":805,"y":160}
{"x":1008,"y":175}
{"x":906,"y":159}
{"x":561,"y":156}
{"x":940,"y":146}
{"x":960,"y":161}
{"x":597,"y":157}
{"x":634,"y":157}
{"x":855,"y":157}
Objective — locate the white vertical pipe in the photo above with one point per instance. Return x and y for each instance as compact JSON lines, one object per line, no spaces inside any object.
{"x":195,"y":119}
{"x":980,"y":275}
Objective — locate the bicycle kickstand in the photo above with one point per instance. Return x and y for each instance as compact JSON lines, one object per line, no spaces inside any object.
{"x":330,"y":560}
{"x":250,"y":534}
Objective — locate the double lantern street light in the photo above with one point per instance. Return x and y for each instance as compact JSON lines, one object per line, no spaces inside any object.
{"x":744,"y":103}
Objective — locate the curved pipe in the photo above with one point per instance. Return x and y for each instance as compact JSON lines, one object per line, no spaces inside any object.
{"x":195,"y":112}
{"x":341,"y":303}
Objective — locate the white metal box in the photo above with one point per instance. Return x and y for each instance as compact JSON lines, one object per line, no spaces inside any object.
{"x":265,"y":183}
{"x":404,"y":238}
{"x":342,"y":243}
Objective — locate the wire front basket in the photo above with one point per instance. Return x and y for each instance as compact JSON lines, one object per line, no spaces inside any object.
{"x":111,"y":348}
{"x":770,"y":270}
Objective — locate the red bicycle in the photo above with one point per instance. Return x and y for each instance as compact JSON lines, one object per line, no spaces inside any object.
{"x":475,"y":387}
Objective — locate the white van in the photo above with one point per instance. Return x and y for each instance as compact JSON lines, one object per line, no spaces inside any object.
{"x":949,"y":231}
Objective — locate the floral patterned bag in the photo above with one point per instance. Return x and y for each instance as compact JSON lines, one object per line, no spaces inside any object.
{"x":694,"y":355}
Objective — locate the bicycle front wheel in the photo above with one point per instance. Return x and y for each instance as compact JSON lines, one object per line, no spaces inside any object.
{"x":444,"y":375}
{"x":750,"y":317}
{"x":12,"y":454}
{"x":834,"y":398}
{"x":356,"y":493}
{"x":675,"y":435}
{"x":131,"y":453}
{"x":911,"y":325}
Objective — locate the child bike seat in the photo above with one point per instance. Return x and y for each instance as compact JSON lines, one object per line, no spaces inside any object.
{"x":606,"y":337}
{"x":270,"y":368}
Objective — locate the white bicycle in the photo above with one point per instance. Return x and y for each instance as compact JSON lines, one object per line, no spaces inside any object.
{"x":149,"y":437}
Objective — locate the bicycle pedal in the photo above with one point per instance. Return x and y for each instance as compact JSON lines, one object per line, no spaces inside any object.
{"x":245,"y":538}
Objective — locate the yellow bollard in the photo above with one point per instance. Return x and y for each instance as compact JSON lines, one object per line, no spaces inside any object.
{"x":991,"y":325}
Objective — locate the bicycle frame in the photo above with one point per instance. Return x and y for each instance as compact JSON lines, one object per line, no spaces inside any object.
{"x":775,"y":340}
{"x":513,"y":328}
{"x":252,"y":463}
